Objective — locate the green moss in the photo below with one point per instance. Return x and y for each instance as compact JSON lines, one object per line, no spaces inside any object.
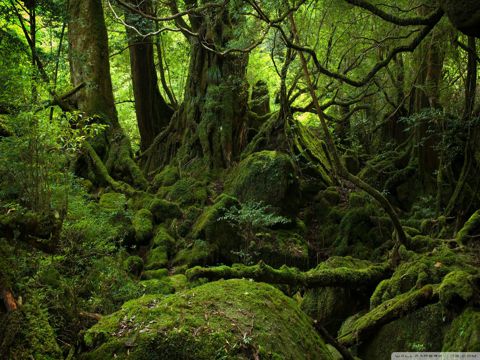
{"x":157,"y":258}
{"x":133,"y":265}
{"x":154,"y":274}
{"x":163,"y":209}
{"x":422,"y":330}
{"x":157,"y":286}
{"x":420,"y":270}
{"x":223,"y":319}
{"x":464,"y":333}
{"x":199,"y":253}
{"x":143,"y":225}
{"x":186,"y":191}
{"x":179,"y":282}
{"x":456,"y":289}
{"x":167,"y":177}
{"x":466,"y":236}
{"x":268,"y":177}
{"x":330,"y":306}
{"x":218,"y":233}
{"x":113,"y":201}
{"x":163,"y":238}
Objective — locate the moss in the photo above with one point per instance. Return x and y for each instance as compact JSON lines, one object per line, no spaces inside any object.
{"x":330,"y":306}
{"x":466,"y":236}
{"x":358,"y":330}
{"x":218,"y":233}
{"x":358,"y":199}
{"x":113,"y":201}
{"x":464,"y":333}
{"x":133,"y":265}
{"x":199,"y":253}
{"x":167,"y":177}
{"x":163,"y":210}
{"x":281,"y":246}
{"x":186,"y":191}
{"x":420,"y":270}
{"x":154,"y":274}
{"x":179,"y":282}
{"x":266,"y":176}
{"x":157,"y":286}
{"x":143,"y":225}
{"x":157,"y":258}
{"x":224,"y":319}
{"x":163,"y":238}
{"x":456,"y":289}
{"x":422,"y":330}
{"x":360,"y":231}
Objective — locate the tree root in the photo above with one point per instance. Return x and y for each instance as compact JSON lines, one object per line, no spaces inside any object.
{"x":338,"y":277}
{"x":387,"y":312}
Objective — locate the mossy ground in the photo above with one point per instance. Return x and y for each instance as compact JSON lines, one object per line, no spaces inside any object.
{"x":221,"y":320}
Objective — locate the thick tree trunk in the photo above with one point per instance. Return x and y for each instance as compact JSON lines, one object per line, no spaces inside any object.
{"x":211,"y":123}
{"x":153,"y":113}
{"x":89,"y":64}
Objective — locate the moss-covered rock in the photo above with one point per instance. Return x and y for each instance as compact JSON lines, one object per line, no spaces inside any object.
{"x":163,"y":210}
{"x":167,"y":177}
{"x":332,"y":305}
{"x":143,"y":225}
{"x":220,"y":234}
{"x":113,"y":201}
{"x":457,"y":289}
{"x":422,"y":330}
{"x":133,"y":265}
{"x":154,"y":274}
{"x":186,"y":191}
{"x":157,"y":286}
{"x":268,"y":177}
{"x":421,"y":269}
{"x":232,"y":319}
{"x":464,"y":333}
{"x":198,"y":254}
{"x":157,"y":258}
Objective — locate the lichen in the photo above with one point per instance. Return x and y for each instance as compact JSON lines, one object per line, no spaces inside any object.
{"x":223,"y":319}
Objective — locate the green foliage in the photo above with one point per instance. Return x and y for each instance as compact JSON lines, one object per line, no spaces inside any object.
{"x":249,"y":219}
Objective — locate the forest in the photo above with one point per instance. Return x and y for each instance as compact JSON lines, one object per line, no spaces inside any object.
{"x":239,"y":179}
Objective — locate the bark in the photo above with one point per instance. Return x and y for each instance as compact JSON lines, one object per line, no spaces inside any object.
{"x":89,"y":64}
{"x":152,"y":111}
{"x":211,"y":123}
{"x":9,"y":300}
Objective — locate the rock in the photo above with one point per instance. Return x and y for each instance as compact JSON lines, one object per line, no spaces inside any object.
{"x":234,"y":319}
{"x":268,"y":177}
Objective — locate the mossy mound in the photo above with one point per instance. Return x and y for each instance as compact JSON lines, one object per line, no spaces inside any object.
{"x":167,"y":177}
{"x":113,"y":201}
{"x":143,"y":225}
{"x":422,"y":330}
{"x":268,"y":177}
{"x":332,"y":305}
{"x":219,"y":234}
{"x":464,"y":333}
{"x":186,"y":191}
{"x":422,"y":269}
{"x":234,"y":319}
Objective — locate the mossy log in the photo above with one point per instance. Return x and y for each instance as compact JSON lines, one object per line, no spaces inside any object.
{"x":385,"y":313}
{"x":339,"y":277}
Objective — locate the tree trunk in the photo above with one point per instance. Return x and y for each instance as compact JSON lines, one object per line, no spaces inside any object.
{"x":153,"y":113}
{"x":89,"y":64}
{"x":211,"y":123}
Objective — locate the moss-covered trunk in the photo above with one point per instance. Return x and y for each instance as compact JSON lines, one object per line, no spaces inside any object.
{"x":89,"y":64}
{"x":211,"y":123}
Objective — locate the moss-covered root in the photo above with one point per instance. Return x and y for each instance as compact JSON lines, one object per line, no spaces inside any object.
{"x":318,"y":277}
{"x":356,"y":331}
{"x":468,"y":233}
